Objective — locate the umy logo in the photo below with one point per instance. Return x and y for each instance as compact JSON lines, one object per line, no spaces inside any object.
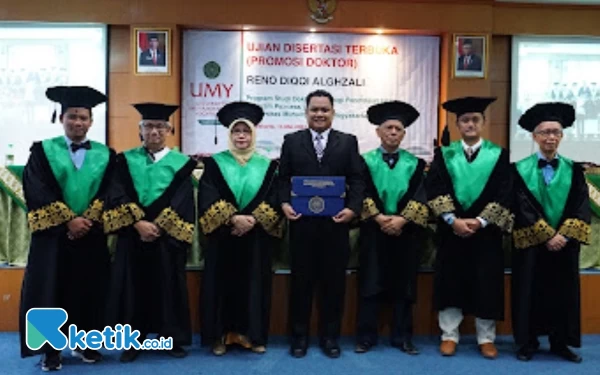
{"x":44,"y":326}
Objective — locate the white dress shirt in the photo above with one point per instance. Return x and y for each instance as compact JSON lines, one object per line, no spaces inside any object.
{"x":160,"y":154}
{"x":449,"y":217}
{"x":325,"y":135}
{"x":78,"y":156}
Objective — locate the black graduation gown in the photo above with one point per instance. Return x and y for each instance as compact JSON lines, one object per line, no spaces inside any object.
{"x":236,"y":282}
{"x":469,"y":272}
{"x":148,"y":288}
{"x":70,"y":274}
{"x":545,"y":284}
{"x":390,"y":263}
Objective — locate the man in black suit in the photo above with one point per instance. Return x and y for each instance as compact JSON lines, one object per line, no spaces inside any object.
{"x":468,"y":60}
{"x":152,"y":56}
{"x":319,"y":246}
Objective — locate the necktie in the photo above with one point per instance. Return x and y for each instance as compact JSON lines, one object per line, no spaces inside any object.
{"x":543,"y":162}
{"x":154,"y":57}
{"x":390,"y":159}
{"x":319,"y":146}
{"x":469,"y":153}
{"x":75,"y":146}
{"x":466,"y":62}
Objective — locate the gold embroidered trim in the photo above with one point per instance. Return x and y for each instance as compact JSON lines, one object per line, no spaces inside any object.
{"x":576,"y":229}
{"x":49,"y":216}
{"x":416,"y":212}
{"x":442,"y":204}
{"x":94,"y":211}
{"x":495,"y":214}
{"x":218,"y":214}
{"x":592,"y":170}
{"x":12,"y":183}
{"x":534,"y":235}
{"x":369,"y":209}
{"x":175,"y":226}
{"x":594,"y":193}
{"x":269,"y":219}
{"x":122,"y":216}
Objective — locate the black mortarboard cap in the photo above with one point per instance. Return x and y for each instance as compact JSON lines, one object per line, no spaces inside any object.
{"x":394,"y":110}
{"x":155,"y":111}
{"x":467,"y":104}
{"x":74,"y":97}
{"x":561,"y":112}
{"x":234,"y":111}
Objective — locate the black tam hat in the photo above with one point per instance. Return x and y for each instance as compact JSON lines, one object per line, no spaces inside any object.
{"x":235,"y":111}
{"x":561,"y":112}
{"x":394,"y":110}
{"x":74,"y":97}
{"x":156,"y":111}
{"x":468,"y":104}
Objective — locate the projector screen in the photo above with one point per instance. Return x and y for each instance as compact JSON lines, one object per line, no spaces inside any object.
{"x":34,"y":57}
{"x":557,"y":69}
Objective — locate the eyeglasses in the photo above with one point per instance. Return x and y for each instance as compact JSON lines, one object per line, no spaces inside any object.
{"x":549,"y":132}
{"x":159,"y":127}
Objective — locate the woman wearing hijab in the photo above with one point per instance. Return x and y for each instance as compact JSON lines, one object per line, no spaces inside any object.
{"x":240,"y":219}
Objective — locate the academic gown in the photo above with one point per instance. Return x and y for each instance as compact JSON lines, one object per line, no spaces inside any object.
{"x":390,"y":263}
{"x":148,"y":281}
{"x":236,"y":282}
{"x":469,"y":272}
{"x":64,"y":273}
{"x":545,"y":284}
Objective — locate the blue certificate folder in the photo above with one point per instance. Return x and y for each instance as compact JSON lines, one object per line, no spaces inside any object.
{"x":318,"y":195}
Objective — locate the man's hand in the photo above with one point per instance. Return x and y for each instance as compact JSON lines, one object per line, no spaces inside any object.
{"x":382,"y":220}
{"x":242,"y":224}
{"x":556,"y":243}
{"x":473,"y":224}
{"x":394,"y":226}
{"x":461,"y":228}
{"x":289,"y":212}
{"x":344,"y":216}
{"x":148,"y":231}
{"x":78,"y":227}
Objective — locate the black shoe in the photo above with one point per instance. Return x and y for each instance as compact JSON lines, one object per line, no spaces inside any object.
{"x":129,"y":355}
{"x":51,"y":362}
{"x":331,"y":349}
{"x":298,"y":348}
{"x":363,"y":347}
{"x":525,"y":353}
{"x":177,"y":352}
{"x":564,"y":352}
{"x":87,"y":355}
{"x":408,"y":347}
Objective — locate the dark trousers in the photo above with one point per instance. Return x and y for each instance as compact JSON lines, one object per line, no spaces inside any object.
{"x":368,"y":312}
{"x":319,"y":256}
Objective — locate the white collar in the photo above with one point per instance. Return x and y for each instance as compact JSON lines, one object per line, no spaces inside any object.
{"x":325,"y":134}
{"x":69,"y":141}
{"x":475,"y":147}
{"x":160,"y":154}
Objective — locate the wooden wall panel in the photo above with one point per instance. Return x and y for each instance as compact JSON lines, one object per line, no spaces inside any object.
{"x":425,"y":319}
{"x":515,"y":19}
{"x":126,"y":88}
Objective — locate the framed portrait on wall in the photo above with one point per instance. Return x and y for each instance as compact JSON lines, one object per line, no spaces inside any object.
{"x":470,"y":56}
{"x":152,"y":51}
